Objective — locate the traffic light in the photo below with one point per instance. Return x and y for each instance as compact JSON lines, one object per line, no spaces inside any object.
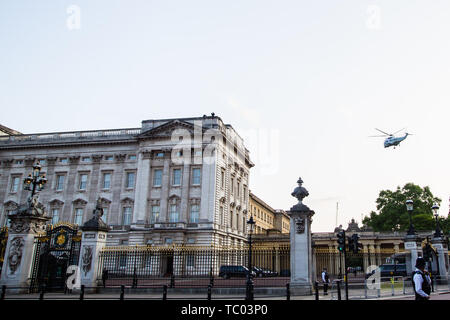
{"x":355,"y":238}
{"x":351,"y":244}
{"x":427,"y":252}
{"x":341,"y":241}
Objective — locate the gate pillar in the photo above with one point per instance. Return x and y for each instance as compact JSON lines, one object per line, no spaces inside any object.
{"x":94,"y":236}
{"x":440,"y":245}
{"x":413,"y":245}
{"x":301,"y":244}
{"x":18,"y":260}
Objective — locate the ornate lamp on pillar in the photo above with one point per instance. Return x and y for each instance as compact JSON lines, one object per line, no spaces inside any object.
{"x":27,"y":222}
{"x":301,"y":245}
{"x":409,"y":208}
{"x":440,"y":244}
{"x":438,"y":232}
{"x":413,"y":243}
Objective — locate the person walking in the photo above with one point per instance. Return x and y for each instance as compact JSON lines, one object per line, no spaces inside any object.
{"x":325,"y":280}
{"x":421,"y":281}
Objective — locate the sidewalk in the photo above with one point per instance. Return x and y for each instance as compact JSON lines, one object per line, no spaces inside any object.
{"x":353,"y":295}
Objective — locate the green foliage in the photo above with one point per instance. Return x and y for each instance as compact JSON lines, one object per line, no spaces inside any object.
{"x":393,"y":214}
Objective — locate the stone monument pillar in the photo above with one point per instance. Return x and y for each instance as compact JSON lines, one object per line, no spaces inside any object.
{"x":440,"y":244}
{"x":94,"y":236}
{"x":413,"y":244}
{"x":27,"y":222}
{"x":301,"y":246}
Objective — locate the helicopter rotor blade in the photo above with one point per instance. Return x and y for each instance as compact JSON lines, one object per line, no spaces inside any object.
{"x":383,"y":132}
{"x":377,"y":136}
{"x":398,"y":131}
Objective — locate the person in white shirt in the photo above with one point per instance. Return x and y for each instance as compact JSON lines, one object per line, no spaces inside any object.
{"x":421,"y":281}
{"x":325,"y":280}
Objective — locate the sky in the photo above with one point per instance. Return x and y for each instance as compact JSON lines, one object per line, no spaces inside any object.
{"x":305,"y":83}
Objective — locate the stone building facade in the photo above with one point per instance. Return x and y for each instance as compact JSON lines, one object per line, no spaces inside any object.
{"x":266,"y":218}
{"x":171,"y":181}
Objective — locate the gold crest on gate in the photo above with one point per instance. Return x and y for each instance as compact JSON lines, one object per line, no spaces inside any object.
{"x":61,"y":239}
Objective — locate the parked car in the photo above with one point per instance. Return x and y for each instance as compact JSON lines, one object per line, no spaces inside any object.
{"x":258,"y":271}
{"x":227,"y":272}
{"x":269,"y":273}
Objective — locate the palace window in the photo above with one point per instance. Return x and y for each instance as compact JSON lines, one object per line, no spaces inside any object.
{"x":176,"y":177}
{"x":60,"y":182}
{"x":173,"y":214}
{"x":126,"y":217}
{"x":15,"y":180}
{"x":155,"y":214}
{"x":196,"y":176}
{"x":78,"y":219}
{"x":106,"y":184}
{"x":105,"y":214}
{"x":222,"y":179}
{"x":131,"y":177}
{"x":194,"y":214}
{"x":157,"y":177}
{"x":55,"y":216}
{"x":83,"y":181}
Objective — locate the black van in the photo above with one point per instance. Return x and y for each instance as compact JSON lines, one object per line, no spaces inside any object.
{"x":227,"y":272}
{"x":391,"y":270}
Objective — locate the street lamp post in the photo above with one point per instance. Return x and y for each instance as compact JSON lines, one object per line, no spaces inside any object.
{"x":409,"y":208}
{"x":438,"y":232}
{"x":34,"y":182}
{"x":249,"y":291}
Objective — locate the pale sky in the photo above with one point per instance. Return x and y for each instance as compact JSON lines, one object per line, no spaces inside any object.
{"x":304,"y":82}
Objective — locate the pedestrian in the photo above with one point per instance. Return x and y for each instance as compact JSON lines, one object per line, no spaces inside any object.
{"x":325,"y":280}
{"x":104,"y":277}
{"x":421,"y":281}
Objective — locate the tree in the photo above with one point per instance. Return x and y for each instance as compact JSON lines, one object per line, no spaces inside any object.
{"x":393,"y":215}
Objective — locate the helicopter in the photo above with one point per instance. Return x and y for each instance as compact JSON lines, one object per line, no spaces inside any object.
{"x":391,"y":140}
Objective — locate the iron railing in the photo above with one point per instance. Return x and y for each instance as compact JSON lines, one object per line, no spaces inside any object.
{"x":190,"y":266}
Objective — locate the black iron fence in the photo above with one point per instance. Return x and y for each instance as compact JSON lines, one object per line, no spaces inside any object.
{"x":190,"y":266}
{"x":357,"y":264}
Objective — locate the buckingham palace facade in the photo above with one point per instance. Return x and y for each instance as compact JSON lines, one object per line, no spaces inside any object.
{"x":171,"y":181}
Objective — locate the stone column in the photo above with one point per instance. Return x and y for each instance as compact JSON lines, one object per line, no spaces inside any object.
{"x":184,"y":204}
{"x":94,"y":236}
{"x":330,"y":260}
{"x":440,"y":245}
{"x":300,"y":239}
{"x":365,"y":257}
{"x":142,"y":189}
{"x":19,"y":253}
{"x":372,"y":255}
{"x":378,"y":254}
{"x":166,"y":183}
{"x":413,"y":245}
